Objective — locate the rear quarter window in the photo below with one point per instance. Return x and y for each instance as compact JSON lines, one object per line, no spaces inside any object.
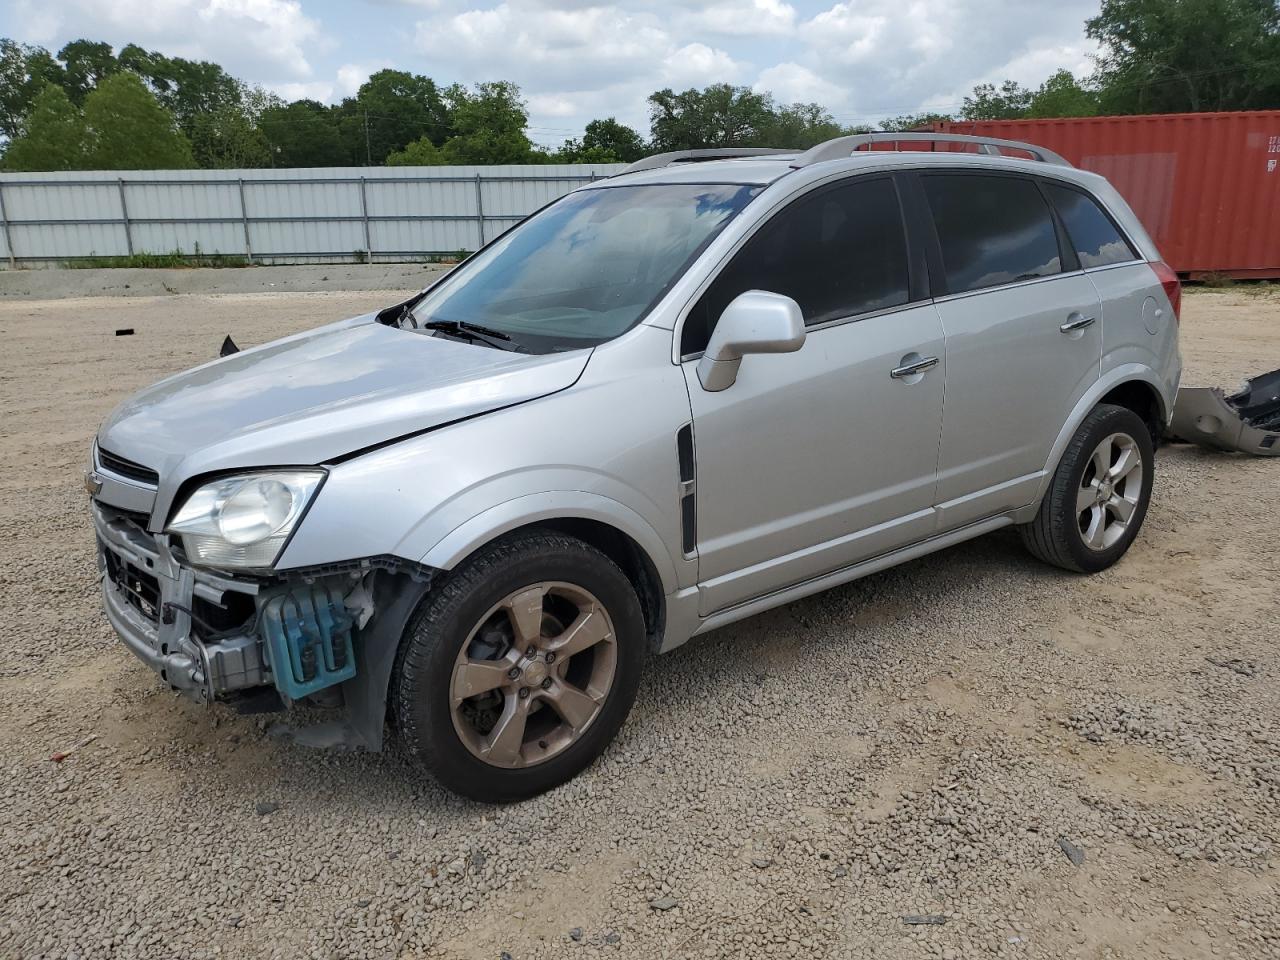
{"x":992,"y":230}
{"x":1097,"y":240}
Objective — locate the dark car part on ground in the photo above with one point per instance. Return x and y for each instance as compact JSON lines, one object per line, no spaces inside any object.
{"x":1247,"y":421}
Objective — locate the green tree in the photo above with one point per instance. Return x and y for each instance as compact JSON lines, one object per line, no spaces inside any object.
{"x":802,"y":125}
{"x":1062,"y":96}
{"x":227,"y":139}
{"x":488,"y":125}
{"x":86,"y":63}
{"x":720,"y":115}
{"x":127,"y":129}
{"x":913,"y":121}
{"x":610,"y":138}
{"x":421,"y":153}
{"x":188,"y":89}
{"x":24,"y":72}
{"x":603,"y":141}
{"x":303,"y":134}
{"x":572,"y":151}
{"x":391,"y":109}
{"x":1009,"y":101}
{"x":1161,"y":56}
{"x":54,"y":138}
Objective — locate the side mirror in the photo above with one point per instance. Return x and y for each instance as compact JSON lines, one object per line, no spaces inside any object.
{"x":755,"y":322}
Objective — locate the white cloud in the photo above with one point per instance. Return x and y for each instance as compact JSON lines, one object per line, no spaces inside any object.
{"x":894,"y":57}
{"x":321,"y":90}
{"x":260,"y":40}
{"x":553,"y":104}
{"x":743,"y":18}
{"x":696,"y":65}
{"x":579,"y":59}
{"x":351,"y":76}
{"x":542,"y":46}
{"x":792,"y":83}
{"x":576,"y":61}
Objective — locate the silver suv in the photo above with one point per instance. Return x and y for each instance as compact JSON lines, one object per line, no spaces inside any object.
{"x":667,"y":401}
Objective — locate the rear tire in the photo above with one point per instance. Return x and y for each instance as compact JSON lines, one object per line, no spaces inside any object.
{"x":1099,"y":494}
{"x":520,"y":667}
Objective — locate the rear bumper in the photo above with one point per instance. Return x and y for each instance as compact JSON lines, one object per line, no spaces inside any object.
{"x":146,"y":593}
{"x":1247,"y":421}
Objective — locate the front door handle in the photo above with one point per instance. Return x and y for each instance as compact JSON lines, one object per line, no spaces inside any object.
{"x":1076,"y":322}
{"x":911,"y":367}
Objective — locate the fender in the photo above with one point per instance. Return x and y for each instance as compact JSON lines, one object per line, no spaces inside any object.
{"x":1105,"y":384}
{"x":512,"y":514}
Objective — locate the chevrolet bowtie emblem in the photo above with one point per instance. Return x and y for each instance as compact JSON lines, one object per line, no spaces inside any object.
{"x":92,"y":483}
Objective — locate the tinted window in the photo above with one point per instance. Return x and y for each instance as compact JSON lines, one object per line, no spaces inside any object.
{"x":837,"y":252}
{"x":992,"y":230}
{"x":588,"y":267}
{"x":1096,"y":240}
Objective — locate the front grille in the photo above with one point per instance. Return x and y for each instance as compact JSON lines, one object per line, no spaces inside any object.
{"x":127,"y":468}
{"x":135,"y":517}
{"x":141,"y":590}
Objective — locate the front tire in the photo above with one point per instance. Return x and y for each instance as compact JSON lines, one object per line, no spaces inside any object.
{"x":1099,"y":494}
{"x":519,"y":669}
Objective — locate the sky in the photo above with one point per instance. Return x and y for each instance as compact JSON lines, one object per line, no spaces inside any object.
{"x":580,"y":59}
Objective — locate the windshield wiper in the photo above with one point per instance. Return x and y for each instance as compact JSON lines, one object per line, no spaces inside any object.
{"x":471,"y":331}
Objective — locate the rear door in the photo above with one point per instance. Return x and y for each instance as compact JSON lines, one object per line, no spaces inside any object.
{"x":816,"y":459}
{"x":1023,"y":338}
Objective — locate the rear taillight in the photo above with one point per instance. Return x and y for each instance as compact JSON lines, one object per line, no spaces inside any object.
{"x":1172,"y":286}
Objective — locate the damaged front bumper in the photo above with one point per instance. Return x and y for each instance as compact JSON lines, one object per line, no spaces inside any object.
{"x":211,"y":636}
{"x":1247,"y":421}
{"x":149,"y":598}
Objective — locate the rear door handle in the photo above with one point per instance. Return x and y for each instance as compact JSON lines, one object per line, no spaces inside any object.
{"x":911,"y":367}
{"x":1076,"y":322}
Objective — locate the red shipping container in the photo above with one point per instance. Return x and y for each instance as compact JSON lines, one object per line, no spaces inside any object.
{"x":1205,"y":185}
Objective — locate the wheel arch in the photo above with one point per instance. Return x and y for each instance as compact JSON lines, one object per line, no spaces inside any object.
{"x":611,"y":527}
{"x":1143,"y":399}
{"x":1133,"y":386}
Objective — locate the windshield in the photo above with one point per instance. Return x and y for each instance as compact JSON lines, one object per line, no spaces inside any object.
{"x":587,"y":268}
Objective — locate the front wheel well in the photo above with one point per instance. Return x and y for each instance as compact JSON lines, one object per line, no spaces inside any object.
{"x":627,"y":554}
{"x":1143,"y":400}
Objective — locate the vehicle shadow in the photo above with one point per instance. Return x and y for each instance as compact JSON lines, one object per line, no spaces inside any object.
{"x":855,"y":624}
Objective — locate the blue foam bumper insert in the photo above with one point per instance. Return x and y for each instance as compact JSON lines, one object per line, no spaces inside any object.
{"x":308,"y":634}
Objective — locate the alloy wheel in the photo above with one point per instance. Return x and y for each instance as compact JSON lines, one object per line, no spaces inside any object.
{"x":533,"y":674}
{"x":1110,"y":490}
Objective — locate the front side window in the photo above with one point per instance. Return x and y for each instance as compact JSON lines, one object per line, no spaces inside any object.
{"x":587,"y":268}
{"x":1096,"y":239}
{"x":838,"y":252}
{"x":992,"y":230}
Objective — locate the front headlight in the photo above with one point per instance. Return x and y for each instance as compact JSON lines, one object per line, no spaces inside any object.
{"x":244,"y":521}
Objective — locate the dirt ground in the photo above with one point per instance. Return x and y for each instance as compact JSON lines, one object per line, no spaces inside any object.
{"x":1038,"y":764}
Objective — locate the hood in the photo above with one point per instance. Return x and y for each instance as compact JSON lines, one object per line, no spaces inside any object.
{"x":314,"y":397}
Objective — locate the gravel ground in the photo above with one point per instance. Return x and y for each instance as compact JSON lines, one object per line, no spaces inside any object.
{"x":1038,"y":764}
{"x":59,"y":284}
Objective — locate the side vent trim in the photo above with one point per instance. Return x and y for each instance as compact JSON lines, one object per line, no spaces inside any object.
{"x":688,"y":490}
{"x":684,"y":450}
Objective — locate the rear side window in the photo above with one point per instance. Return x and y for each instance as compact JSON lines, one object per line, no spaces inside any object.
{"x":992,"y":230}
{"x":838,"y":252}
{"x":1095,"y":237}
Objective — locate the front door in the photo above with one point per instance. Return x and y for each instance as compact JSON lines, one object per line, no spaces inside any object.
{"x":814,"y":460}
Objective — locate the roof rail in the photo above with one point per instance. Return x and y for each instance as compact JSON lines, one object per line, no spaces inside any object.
{"x":693,"y":156}
{"x":842,"y":147}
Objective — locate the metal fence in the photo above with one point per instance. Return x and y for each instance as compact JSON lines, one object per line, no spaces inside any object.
{"x":316,"y":215}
